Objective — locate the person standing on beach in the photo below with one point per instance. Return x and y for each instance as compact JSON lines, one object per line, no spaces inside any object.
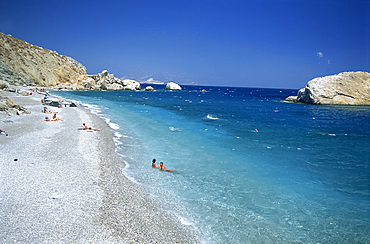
{"x":154,"y":165}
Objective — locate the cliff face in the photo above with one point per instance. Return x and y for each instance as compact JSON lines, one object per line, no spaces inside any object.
{"x":347,"y":88}
{"x":24,"y":63}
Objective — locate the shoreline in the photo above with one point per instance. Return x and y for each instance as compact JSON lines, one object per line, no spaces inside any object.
{"x":67,"y":185}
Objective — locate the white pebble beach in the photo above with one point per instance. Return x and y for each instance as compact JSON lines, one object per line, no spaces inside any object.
{"x":59,"y":184}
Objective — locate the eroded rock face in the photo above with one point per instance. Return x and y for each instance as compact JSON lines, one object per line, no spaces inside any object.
{"x":22,"y":63}
{"x":347,"y":88}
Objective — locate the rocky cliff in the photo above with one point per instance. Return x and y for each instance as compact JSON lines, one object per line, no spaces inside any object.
{"x":347,"y":88}
{"x":22,"y":63}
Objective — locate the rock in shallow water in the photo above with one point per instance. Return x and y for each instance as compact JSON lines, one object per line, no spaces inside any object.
{"x":173,"y":86}
{"x":347,"y":88}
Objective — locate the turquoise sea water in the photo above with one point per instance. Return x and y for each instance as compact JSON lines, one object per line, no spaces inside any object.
{"x":302,"y":178}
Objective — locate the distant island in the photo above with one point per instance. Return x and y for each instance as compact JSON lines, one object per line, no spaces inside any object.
{"x":22,"y":63}
{"x":347,"y":88}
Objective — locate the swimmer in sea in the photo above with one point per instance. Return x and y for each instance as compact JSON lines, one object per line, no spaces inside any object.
{"x":162,"y":166}
{"x":154,"y":165}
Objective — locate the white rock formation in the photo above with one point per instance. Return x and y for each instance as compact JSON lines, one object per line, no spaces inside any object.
{"x":114,"y":86}
{"x":173,"y":86}
{"x":131,"y":85}
{"x":88,"y":83}
{"x":149,"y":88}
{"x":291,"y":99}
{"x":347,"y":88}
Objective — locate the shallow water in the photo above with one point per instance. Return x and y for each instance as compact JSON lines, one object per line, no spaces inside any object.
{"x":302,"y":178}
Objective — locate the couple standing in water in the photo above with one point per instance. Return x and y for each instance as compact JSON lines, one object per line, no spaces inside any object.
{"x":161,"y":166}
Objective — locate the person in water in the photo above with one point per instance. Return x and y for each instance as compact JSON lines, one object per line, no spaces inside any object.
{"x":154,"y":165}
{"x":162,"y":166}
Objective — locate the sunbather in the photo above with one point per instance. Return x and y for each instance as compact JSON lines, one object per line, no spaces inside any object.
{"x":84,"y":126}
{"x":48,"y":111}
{"x":2,"y":132}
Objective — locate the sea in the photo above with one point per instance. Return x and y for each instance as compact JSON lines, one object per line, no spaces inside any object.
{"x":248,"y":168}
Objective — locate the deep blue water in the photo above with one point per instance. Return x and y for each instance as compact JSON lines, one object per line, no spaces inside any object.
{"x":302,"y":178}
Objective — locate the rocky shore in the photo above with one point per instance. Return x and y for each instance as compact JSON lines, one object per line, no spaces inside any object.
{"x":59,"y":184}
{"x":347,"y":88}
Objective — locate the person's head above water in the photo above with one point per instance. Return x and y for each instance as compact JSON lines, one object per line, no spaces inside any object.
{"x":154,"y":160}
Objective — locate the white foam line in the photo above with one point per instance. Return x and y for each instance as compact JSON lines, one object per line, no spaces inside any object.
{"x":95,"y":109}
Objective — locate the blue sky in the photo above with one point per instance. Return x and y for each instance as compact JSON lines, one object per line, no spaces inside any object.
{"x":250,"y":43}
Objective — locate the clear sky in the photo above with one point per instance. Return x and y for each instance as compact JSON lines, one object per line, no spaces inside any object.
{"x":250,"y":43}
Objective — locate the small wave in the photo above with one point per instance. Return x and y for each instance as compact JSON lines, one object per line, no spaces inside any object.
{"x":128,"y":174}
{"x":173,"y":128}
{"x":95,"y":109}
{"x":114,"y":126}
{"x":117,"y":142}
{"x":185,"y":222}
{"x":209,"y":116}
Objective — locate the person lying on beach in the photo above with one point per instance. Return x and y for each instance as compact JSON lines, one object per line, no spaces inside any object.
{"x":56,"y":119}
{"x":154,"y":165}
{"x":48,"y":111}
{"x":93,"y":129}
{"x":85,"y":127}
{"x":2,"y":132}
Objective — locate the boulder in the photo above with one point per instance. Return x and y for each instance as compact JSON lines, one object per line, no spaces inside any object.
{"x":173,"y":86}
{"x":131,"y":85}
{"x":292,"y":99}
{"x":3,"y":85}
{"x":347,"y":88}
{"x":10,"y":103}
{"x":11,"y":89}
{"x":149,"y":88}
{"x":3,"y":107}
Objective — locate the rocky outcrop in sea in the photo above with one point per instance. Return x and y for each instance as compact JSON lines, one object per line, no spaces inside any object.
{"x":173,"y":86}
{"x":347,"y":88}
